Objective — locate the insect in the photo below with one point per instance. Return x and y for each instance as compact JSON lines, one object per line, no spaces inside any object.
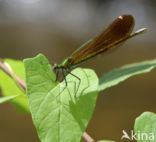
{"x":119,"y":31}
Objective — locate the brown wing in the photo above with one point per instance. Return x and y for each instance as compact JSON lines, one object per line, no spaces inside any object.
{"x":119,"y":29}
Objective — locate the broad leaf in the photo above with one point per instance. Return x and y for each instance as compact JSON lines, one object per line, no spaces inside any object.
{"x":145,"y":127}
{"x":121,"y":74}
{"x":60,"y":114}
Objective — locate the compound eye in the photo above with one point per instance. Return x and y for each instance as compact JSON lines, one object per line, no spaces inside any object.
{"x":54,"y":66}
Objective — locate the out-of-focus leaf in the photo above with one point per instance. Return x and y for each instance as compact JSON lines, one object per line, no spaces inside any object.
{"x":145,"y":127}
{"x":10,"y":88}
{"x":7,"y":98}
{"x":116,"y":76}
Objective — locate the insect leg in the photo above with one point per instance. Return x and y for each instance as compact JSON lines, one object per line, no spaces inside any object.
{"x":77,"y":78}
{"x":87,"y":82}
{"x":57,"y":74}
{"x":64,"y":77}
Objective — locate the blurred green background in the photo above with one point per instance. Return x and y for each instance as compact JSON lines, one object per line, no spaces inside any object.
{"x":56,"y":28}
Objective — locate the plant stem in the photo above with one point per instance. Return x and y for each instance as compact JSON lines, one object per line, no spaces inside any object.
{"x":8,"y":70}
{"x":87,"y":137}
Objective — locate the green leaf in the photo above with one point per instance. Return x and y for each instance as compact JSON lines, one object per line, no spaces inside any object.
{"x":146,"y":124}
{"x":59,"y":117}
{"x":105,"y":141}
{"x":9,"y":87}
{"x":7,"y":98}
{"x":116,"y":76}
